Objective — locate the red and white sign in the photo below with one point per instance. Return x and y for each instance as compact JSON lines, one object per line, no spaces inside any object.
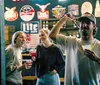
{"x":27,"y":13}
{"x":10,"y":14}
{"x":28,"y":40}
{"x":43,"y":13}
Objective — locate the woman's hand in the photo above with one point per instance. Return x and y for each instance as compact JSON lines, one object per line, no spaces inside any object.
{"x":27,"y":64}
{"x":33,"y":55}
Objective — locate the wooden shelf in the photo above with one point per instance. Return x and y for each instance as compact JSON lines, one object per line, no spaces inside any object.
{"x":34,"y":78}
{"x":29,"y":78}
{"x":25,"y":55}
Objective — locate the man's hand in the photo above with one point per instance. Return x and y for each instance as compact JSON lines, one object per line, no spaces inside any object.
{"x":92,"y":55}
{"x":70,"y":15}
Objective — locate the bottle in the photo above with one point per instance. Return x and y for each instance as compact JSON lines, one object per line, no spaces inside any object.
{"x":97,"y":9}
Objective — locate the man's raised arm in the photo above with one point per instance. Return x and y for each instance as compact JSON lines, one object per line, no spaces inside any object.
{"x":56,"y":29}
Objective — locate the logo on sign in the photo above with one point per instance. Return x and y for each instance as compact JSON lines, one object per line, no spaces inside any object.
{"x":43,"y":13}
{"x":27,"y":13}
{"x":58,"y":11}
{"x":30,"y":27}
{"x":10,"y":14}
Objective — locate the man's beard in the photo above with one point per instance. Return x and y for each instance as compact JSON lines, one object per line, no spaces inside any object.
{"x":86,"y":34}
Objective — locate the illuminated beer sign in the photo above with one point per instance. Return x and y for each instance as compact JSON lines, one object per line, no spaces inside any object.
{"x":30,"y":27}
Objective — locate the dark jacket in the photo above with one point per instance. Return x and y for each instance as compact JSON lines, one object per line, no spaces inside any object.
{"x":48,"y":59}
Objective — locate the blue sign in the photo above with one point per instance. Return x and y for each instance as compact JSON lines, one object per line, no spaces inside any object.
{"x":30,"y":27}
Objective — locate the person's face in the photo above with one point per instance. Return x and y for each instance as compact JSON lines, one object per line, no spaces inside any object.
{"x":43,"y":35}
{"x":20,"y":40}
{"x":86,"y":29}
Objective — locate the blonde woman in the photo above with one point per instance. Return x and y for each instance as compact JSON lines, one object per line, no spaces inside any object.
{"x":49,"y":60}
{"x":13,"y":55}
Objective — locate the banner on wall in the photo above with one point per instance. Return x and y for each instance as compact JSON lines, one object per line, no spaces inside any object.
{"x":32,"y":33}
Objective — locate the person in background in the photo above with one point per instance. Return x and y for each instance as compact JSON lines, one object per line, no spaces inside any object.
{"x":13,"y":56}
{"x":82,"y":54}
{"x":49,"y":60}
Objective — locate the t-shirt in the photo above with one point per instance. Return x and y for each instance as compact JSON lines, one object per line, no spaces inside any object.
{"x":79,"y":69}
